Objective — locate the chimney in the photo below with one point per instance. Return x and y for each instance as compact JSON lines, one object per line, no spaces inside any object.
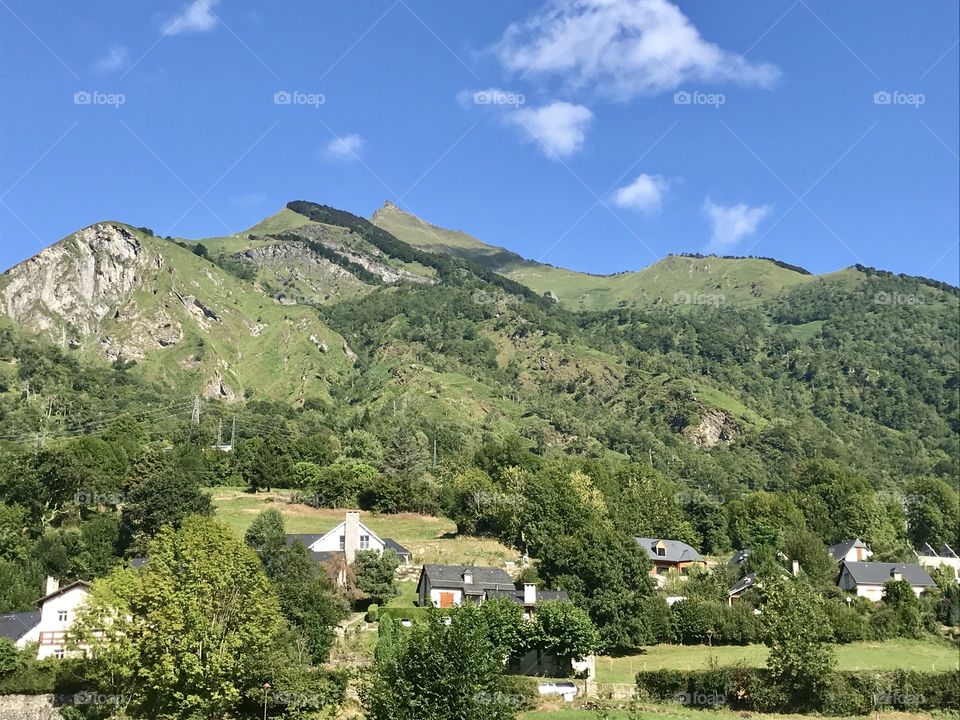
{"x":468,"y":577}
{"x":529,"y":594}
{"x":896,"y":575}
{"x":52,"y":585}
{"x":795,"y":568}
{"x":351,"y":536}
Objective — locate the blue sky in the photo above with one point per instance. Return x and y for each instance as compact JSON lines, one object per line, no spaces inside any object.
{"x":593,"y":134}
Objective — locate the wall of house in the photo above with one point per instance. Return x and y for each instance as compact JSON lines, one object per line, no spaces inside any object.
{"x":931,"y":561}
{"x":856,"y":554}
{"x":51,"y":628}
{"x":331,"y":541}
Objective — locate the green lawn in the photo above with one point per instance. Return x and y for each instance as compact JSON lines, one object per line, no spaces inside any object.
{"x":563,"y":711}
{"x":920,"y":654}
{"x":430,"y":539}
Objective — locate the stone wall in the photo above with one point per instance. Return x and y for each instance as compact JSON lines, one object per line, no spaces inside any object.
{"x":28,"y":707}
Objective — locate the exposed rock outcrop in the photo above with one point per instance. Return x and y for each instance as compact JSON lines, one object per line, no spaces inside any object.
{"x":67,"y":290}
{"x":715,"y":427}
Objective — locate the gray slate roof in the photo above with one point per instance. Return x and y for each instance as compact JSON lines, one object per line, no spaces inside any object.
{"x":744,"y":583}
{"x":16,"y":625}
{"x":676,"y":551}
{"x":877,"y":573}
{"x":451,"y":576}
{"x":838,"y":551}
{"x":399,"y":549}
{"x":740,"y":556}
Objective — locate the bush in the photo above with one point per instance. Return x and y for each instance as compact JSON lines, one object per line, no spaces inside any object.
{"x":848,"y":624}
{"x":373,"y":612}
{"x":842,"y":698}
{"x":522,"y":691}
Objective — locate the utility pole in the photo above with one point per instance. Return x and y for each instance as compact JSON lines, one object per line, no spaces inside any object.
{"x":196,"y":410}
{"x":219,"y":433}
{"x":233,"y":433}
{"x":434,"y":450}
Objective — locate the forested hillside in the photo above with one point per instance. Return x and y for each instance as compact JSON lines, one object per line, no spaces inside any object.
{"x":363,"y":371}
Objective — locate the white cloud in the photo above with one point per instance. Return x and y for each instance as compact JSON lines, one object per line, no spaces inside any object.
{"x":624,"y":48}
{"x":732,"y":224}
{"x":117,"y":58}
{"x":644,"y":194}
{"x":558,"y":128}
{"x":198,"y":16}
{"x":345,"y":147}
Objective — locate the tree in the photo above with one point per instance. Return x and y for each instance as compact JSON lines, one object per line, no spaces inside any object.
{"x":794,"y":626}
{"x":899,"y":599}
{"x":188,"y":635}
{"x":163,"y":499}
{"x":508,"y":630}
{"x":266,"y":534}
{"x":440,"y":672}
{"x":807,"y":549}
{"x":933,"y":512}
{"x":375,"y":574}
{"x":564,"y":630}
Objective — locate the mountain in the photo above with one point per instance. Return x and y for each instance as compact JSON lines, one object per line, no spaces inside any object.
{"x":727,"y":373}
{"x":684,"y":278}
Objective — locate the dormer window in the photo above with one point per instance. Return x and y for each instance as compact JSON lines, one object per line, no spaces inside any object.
{"x":468,"y":578}
{"x":661,"y":551}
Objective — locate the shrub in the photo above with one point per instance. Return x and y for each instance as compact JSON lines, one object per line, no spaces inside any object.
{"x":373,"y":612}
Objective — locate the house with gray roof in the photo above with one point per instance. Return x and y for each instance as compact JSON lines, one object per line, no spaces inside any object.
{"x":450,"y":585}
{"x":345,"y":540}
{"x":855,"y":550}
{"x":21,"y":628}
{"x":867,"y":579}
{"x":667,"y":555}
{"x":945,"y":556}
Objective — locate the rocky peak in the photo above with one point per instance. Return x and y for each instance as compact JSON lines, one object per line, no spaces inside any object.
{"x":70,"y":287}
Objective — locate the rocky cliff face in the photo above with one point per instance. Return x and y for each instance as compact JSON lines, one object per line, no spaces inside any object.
{"x":70,"y":288}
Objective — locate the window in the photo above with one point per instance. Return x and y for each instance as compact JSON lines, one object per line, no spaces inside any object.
{"x":58,"y":653}
{"x":62,"y":616}
{"x":364,"y":542}
{"x":661,"y":551}
{"x":343,"y":541}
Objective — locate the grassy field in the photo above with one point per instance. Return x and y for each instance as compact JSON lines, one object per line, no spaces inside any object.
{"x":430,"y":539}
{"x":675,"y":712}
{"x":918,"y":654}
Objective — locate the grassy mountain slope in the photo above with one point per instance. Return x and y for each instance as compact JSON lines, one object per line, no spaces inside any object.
{"x":675,"y":280}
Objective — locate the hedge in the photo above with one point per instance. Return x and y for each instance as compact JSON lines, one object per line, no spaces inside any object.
{"x":849,"y":692}
{"x":410,"y":613}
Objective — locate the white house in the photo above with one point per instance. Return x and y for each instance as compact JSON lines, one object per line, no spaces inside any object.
{"x":346,"y":539}
{"x":446,"y":586}
{"x":48,"y":625}
{"x":851,"y":551}
{"x":930,"y":558}
{"x":868,"y":578}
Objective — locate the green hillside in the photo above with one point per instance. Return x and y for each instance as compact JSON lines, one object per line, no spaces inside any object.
{"x":674,"y":280}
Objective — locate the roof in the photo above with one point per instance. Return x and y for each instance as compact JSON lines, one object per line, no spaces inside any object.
{"x":744,"y":583}
{"x":840,"y":550}
{"x":740,"y":556}
{"x":399,"y":549}
{"x":15,"y":625}
{"x":676,"y":551}
{"x":877,"y":573}
{"x":326,"y":555}
{"x":945,"y":552}
{"x":451,"y":576}
{"x":66,"y":588}
{"x":518,"y":595}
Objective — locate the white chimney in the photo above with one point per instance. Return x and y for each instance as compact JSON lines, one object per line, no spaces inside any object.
{"x":896,"y":574}
{"x":351,"y":536}
{"x":529,"y":594}
{"x":795,"y":568}
{"x":468,"y":577}
{"x":52,"y":585}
